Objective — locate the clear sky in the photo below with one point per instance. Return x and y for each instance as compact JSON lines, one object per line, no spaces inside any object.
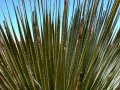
{"x":10,"y":6}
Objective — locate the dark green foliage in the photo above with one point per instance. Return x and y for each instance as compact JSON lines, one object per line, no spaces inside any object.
{"x":57,"y":55}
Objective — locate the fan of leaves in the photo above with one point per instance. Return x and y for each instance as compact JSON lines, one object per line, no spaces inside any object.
{"x":60,"y":53}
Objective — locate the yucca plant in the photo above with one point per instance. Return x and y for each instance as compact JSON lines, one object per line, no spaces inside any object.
{"x":59,"y":52}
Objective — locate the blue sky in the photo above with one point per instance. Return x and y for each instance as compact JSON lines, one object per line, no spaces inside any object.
{"x":10,"y":6}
